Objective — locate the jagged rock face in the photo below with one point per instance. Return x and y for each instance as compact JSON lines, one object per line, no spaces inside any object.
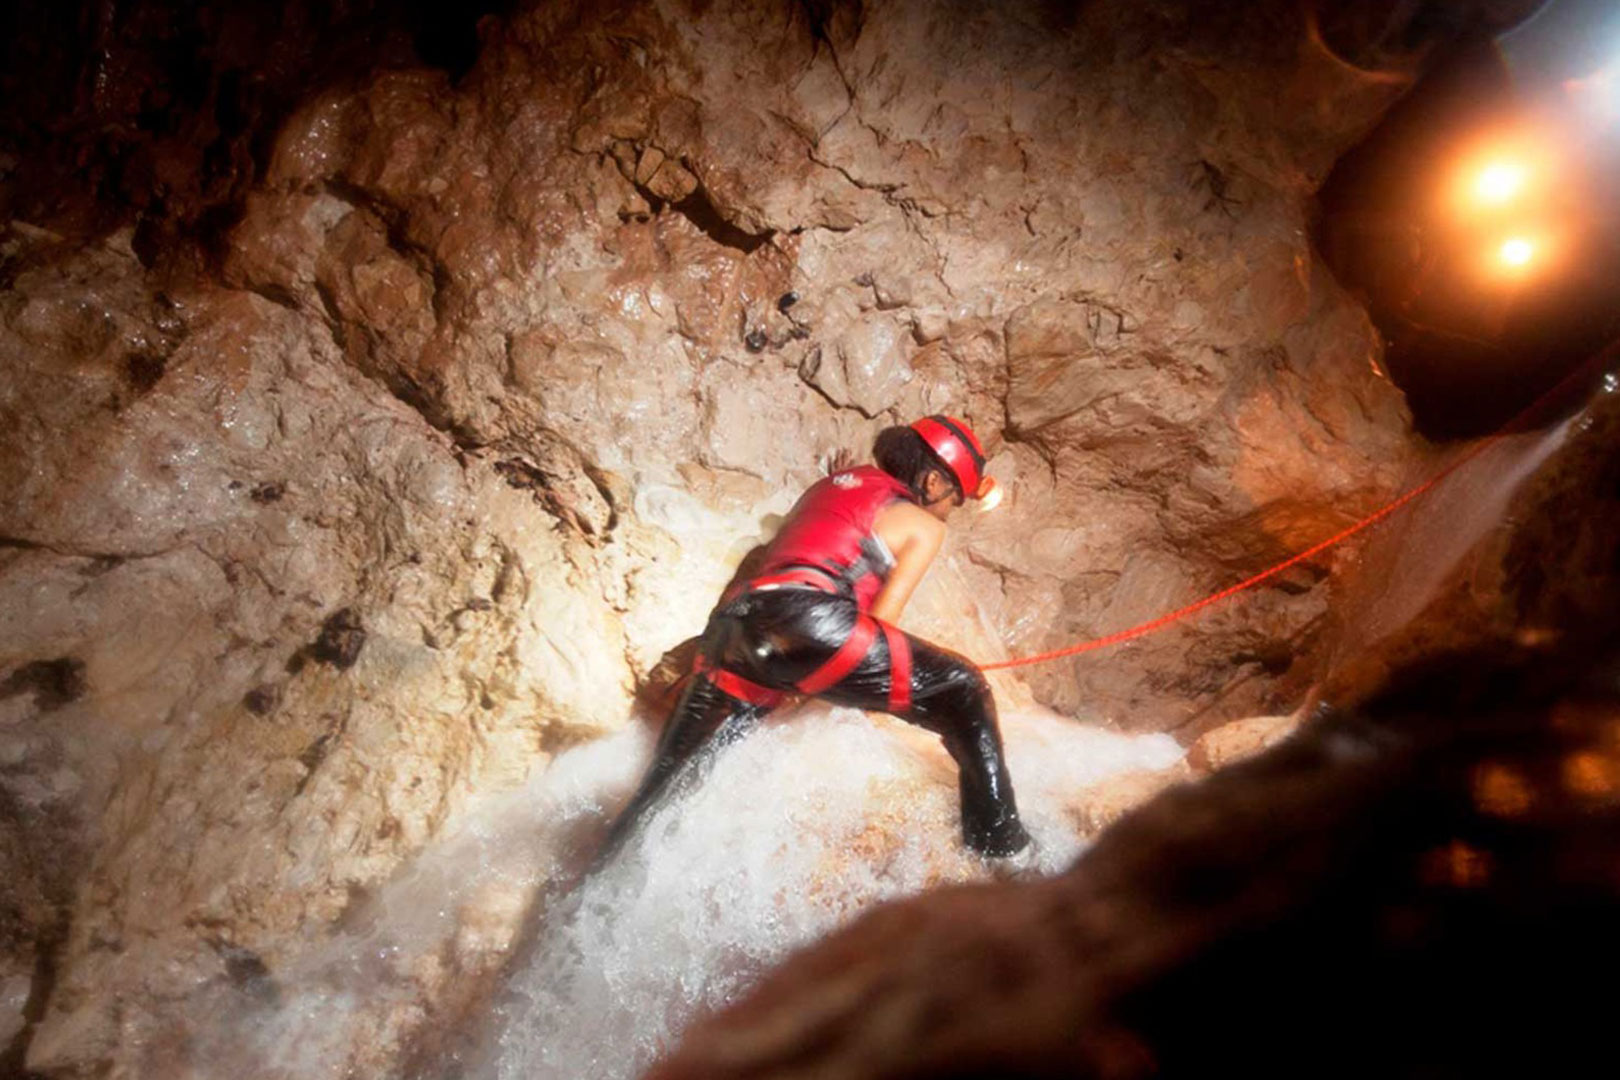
{"x":492,"y":382}
{"x":300,"y":628}
{"x":671,"y":247}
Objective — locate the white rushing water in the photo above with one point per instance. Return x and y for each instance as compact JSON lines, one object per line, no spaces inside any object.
{"x":784,"y":837}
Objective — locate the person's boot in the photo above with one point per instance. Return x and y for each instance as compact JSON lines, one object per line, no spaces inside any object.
{"x":1011,"y":855}
{"x":990,"y":823}
{"x":1003,"y":843}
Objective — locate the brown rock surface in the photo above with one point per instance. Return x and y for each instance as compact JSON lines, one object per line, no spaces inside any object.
{"x":491,"y":382}
{"x":1239,"y":739}
{"x":301,"y":627}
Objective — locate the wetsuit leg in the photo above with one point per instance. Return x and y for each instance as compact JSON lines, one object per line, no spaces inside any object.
{"x":952,"y":698}
{"x":788,"y":635}
{"x":703,"y":714}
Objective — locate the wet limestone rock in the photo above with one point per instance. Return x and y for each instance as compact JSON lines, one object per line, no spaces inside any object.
{"x":270,"y":620}
{"x":485,"y":387}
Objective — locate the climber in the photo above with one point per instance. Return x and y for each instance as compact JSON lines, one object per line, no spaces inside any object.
{"x":817,"y":617}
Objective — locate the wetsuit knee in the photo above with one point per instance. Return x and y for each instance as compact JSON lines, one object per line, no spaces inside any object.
{"x":973,"y":685}
{"x":956,"y":688}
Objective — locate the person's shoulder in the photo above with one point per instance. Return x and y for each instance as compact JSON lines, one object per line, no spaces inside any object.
{"x":902,"y":515}
{"x":866,"y":478}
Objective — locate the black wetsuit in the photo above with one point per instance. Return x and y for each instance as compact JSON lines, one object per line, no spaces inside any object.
{"x":775,"y":638}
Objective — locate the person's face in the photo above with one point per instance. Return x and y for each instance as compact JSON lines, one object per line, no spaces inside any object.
{"x":942,"y":496}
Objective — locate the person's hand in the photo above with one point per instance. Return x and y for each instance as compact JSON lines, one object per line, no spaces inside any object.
{"x":838,"y":461}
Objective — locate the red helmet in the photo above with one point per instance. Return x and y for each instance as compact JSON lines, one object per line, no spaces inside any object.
{"x":954,"y":443}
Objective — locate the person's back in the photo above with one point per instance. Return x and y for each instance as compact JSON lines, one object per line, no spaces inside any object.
{"x":830,"y":530}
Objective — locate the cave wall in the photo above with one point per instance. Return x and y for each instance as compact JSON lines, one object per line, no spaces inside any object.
{"x":1086,"y":233}
{"x":405,"y":472}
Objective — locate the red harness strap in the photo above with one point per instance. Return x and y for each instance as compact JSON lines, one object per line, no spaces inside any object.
{"x":852,"y":652}
{"x":738,"y":687}
{"x":899,"y":668}
{"x":840,"y":664}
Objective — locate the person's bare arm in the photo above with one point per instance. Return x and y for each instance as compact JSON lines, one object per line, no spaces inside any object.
{"x":913,"y":536}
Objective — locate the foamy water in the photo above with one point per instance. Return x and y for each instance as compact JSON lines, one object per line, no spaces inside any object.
{"x":783,"y":837}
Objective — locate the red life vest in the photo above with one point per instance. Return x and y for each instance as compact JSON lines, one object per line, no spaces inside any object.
{"x":829,"y":530}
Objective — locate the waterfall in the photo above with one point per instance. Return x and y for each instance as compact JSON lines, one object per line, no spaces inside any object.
{"x":1405,"y":565}
{"x":780,"y":839}
{"x":784,"y":836}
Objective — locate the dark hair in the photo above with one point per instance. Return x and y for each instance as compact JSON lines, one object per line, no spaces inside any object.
{"x":902,"y":453}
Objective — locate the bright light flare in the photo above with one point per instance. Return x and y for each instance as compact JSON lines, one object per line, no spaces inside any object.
{"x":1506,"y":173}
{"x":991,"y":498}
{"x":1499,"y":182}
{"x":1515,"y":255}
{"x":1516,"y":252}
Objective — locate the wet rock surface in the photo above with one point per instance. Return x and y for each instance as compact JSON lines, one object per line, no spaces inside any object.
{"x":387,"y":454}
{"x":290,"y":626}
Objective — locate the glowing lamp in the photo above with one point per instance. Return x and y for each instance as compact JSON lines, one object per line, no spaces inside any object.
{"x":1516,"y":252}
{"x":990,"y":496}
{"x":1499,"y":182}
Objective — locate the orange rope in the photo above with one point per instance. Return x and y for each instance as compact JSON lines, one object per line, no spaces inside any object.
{"x":1152,"y":625}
